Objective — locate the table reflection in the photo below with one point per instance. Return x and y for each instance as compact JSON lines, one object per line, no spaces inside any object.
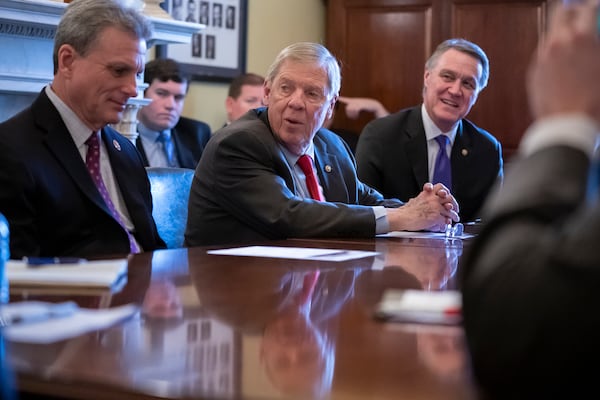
{"x":294,"y":313}
{"x":430,"y":265}
{"x":433,"y":263}
{"x":443,"y":351}
{"x":227,"y":327}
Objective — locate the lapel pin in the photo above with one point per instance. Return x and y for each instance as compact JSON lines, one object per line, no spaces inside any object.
{"x":116,"y":144}
{"x":464,"y":152}
{"x":328,"y":168}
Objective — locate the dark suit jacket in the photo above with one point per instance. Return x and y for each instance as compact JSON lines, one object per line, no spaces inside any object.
{"x":530,"y":283}
{"x":49,"y":198}
{"x":243,"y":189}
{"x":392,"y":157}
{"x":189,"y":138}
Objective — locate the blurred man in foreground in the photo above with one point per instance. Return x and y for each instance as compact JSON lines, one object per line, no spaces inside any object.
{"x":530,"y":292}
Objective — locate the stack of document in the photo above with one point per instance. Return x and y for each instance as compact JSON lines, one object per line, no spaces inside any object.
{"x":86,"y":275}
{"x":295,"y":253}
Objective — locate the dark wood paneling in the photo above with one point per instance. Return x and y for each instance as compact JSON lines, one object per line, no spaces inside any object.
{"x":508,"y":32}
{"x":383,"y":45}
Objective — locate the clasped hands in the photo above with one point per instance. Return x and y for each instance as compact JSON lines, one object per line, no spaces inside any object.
{"x":432,"y":210}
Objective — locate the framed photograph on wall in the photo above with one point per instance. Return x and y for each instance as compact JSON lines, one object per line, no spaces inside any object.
{"x":217,"y":53}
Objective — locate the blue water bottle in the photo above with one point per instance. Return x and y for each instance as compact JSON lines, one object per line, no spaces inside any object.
{"x":4,"y":255}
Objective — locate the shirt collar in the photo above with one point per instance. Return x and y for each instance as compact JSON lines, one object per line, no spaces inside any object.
{"x":432,"y":130}
{"x":292,"y":158}
{"x":150,"y":134}
{"x":79,"y":131}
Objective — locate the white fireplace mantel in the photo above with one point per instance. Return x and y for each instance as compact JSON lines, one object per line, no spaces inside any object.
{"x":27,"y":29}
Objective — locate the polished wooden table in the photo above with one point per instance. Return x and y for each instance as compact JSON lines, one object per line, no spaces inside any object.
{"x":229,"y":327}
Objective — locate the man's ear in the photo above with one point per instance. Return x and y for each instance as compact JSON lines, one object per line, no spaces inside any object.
{"x":331,"y":108}
{"x":66,"y":58}
{"x":426,"y":76}
{"x":266,"y":94}
{"x":229,"y":104}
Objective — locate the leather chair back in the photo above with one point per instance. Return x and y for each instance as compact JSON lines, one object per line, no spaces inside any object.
{"x":170,"y":189}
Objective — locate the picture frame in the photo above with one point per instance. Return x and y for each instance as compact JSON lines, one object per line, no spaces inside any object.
{"x":217,"y":53}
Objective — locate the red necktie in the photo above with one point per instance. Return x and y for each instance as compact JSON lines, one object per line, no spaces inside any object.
{"x":309,"y":282}
{"x":305,"y":164}
{"x":92,"y":162}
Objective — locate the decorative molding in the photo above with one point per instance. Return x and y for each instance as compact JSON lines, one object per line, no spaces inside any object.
{"x":27,"y":28}
{"x":171,"y":31}
{"x":42,"y":13}
{"x":23,"y":29}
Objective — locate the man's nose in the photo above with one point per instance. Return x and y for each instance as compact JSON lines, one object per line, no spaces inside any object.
{"x":297,"y":99}
{"x":131,"y":87}
{"x":456,"y":88}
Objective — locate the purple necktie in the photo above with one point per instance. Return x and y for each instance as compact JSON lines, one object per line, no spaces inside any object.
{"x":92,"y":162}
{"x":442,"y":171}
{"x":305,"y":164}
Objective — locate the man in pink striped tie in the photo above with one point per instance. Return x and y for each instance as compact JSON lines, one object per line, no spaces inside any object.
{"x":55,"y":204}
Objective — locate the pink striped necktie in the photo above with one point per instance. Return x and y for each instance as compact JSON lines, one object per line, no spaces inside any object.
{"x":92,"y":162}
{"x":305,"y":164}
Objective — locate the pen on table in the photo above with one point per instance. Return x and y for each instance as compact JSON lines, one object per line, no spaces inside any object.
{"x":36,"y":262}
{"x":333,"y":253}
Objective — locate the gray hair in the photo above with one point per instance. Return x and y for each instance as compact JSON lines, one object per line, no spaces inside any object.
{"x":84,"y":20}
{"x":307,"y":53}
{"x":464,"y":46}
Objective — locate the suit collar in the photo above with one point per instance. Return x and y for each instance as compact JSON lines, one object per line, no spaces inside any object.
{"x":60,"y":143}
{"x":329,"y":170}
{"x":416,"y":145}
{"x":183,"y":151}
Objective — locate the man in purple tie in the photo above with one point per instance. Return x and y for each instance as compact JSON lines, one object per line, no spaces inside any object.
{"x":397,"y":154}
{"x":71,"y":185}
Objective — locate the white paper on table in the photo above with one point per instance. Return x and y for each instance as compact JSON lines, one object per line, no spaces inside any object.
{"x":423,"y":235}
{"x":98,"y":273}
{"x":54,"y":328}
{"x":296,"y":253}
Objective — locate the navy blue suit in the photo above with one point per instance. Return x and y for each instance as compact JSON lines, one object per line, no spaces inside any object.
{"x":392,"y":157}
{"x":189,"y":138}
{"x":49,"y":198}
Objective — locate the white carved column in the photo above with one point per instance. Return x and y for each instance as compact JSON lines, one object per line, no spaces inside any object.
{"x":128,"y":124}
